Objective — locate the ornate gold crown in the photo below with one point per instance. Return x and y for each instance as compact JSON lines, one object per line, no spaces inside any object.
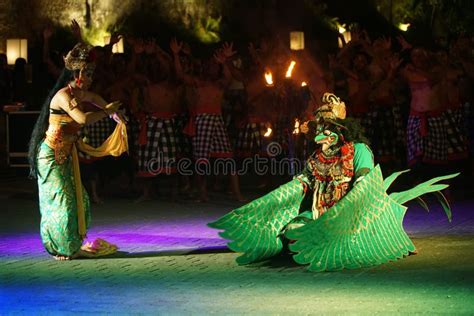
{"x":333,"y":108}
{"x":78,"y":57}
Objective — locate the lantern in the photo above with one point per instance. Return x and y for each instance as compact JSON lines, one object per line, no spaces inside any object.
{"x":296,"y":40}
{"x":118,"y":47}
{"x":17,"y":48}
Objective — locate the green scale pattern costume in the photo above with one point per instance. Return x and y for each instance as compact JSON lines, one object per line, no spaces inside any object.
{"x":363,"y":228}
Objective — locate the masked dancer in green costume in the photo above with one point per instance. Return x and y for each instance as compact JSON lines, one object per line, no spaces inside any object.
{"x":64,"y":204}
{"x":336,"y":214}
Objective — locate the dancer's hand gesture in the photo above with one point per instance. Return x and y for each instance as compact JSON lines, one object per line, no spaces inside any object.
{"x":112,"y":107}
{"x":76,"y":30}
{"x":119,"y":117}
{"x":115,"y":38}
{"x":175,"y":46}
{"x":385,"y":43}
{"x":219,"y":56}
{"x":227,"y":50}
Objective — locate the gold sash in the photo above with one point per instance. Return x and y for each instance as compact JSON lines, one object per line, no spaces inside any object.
{"x":115,"y":145}
{"x":61,"y":136}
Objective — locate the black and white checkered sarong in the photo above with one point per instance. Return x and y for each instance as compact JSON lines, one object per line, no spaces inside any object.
{"x":456,"y":134}
{"x":388,"y":133}
{"x":95,"y":134}
{"x":211,"y":139}
{"x":250,"y":140}
{"x":445,"y":139}
{"x":366,"y":121}
{"x":183,"y":141}
{"x":282,"y":130}
{"x":158,"y":155}
{"x":469,"y":125}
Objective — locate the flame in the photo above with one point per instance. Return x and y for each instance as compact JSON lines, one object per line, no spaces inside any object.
{"x":269,"y":78}
{"x":268,"y":133}
{"x":404,"y":26}
{"x":297,"y":127}
{"x":290,"y":69}
{"x":341,"y":28}
{"x":304,"y":84}
{"x":347,"y":38}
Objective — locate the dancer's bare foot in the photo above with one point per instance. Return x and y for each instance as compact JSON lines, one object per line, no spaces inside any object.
{"x":79,"y":254}
{"x":413,"y":253}
{"x":95,"y":249}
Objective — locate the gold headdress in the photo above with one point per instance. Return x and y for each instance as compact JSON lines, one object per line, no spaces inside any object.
{"x":333,"y":108}
{"x":79,"y":56}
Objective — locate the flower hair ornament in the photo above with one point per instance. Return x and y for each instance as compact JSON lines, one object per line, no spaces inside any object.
{"x":79,"y":56}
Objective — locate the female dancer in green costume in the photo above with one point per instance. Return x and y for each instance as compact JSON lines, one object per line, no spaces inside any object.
{"x":64,"y":204}
{"x":336,"y":214}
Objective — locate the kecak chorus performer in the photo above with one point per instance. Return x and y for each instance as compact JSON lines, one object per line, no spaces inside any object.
{"x":64,"y":203}
{"x":336,"y":214}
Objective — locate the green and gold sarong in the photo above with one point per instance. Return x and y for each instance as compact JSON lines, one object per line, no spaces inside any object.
{"x":64,"y":203}
{"x":58,"y":204}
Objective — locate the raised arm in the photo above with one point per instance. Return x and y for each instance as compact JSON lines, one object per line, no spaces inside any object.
{"x":176,"y":47}
{"x":76,"y":31}
{"x":114,"y":39}
{"x":71,"y":106}
{"x":222,"y":56}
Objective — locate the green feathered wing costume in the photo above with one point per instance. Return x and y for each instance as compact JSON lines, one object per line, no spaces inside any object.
{"x":363,"y":229}
{"x":255,"y":227}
